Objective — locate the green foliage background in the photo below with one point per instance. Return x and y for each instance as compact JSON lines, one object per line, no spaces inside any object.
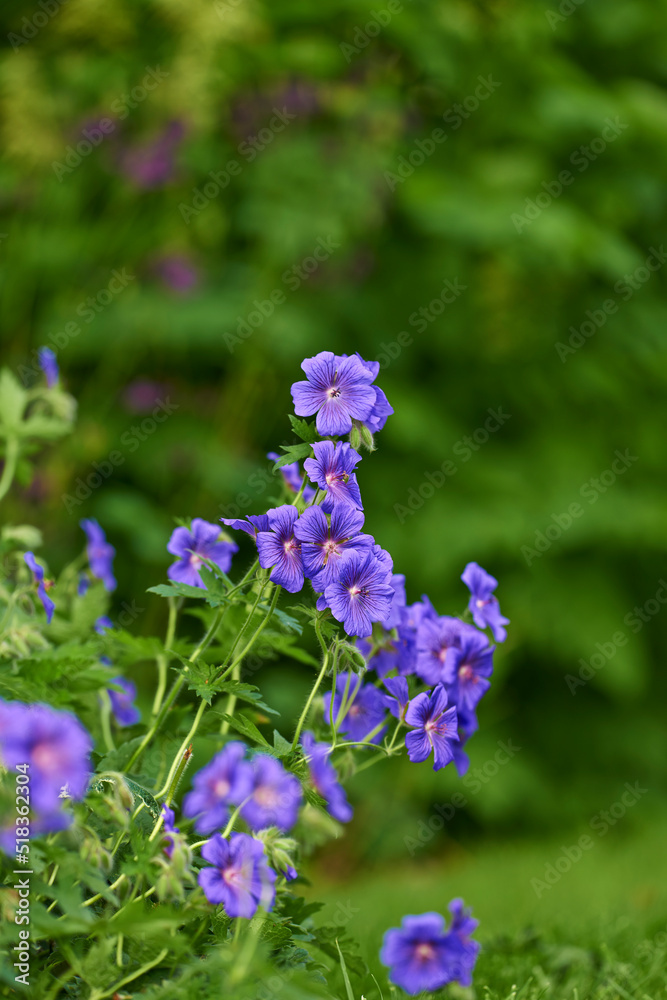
{"x":330,"y":175}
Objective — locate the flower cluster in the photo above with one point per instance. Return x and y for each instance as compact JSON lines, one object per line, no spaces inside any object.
{"x":423,"y":955}
{"x":55,"y":749}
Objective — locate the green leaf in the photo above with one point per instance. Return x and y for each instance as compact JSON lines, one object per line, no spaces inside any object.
{"x":42,"y":426}
{"x":346,"y":978}
{"x":289,"y":623}
{"x":12,"y":401}
{"x":281,"y":746}
{"x":303,"y":429}
{"x":177,"y":590}
{"x":293,"y":453}
{"x":243,"y":725}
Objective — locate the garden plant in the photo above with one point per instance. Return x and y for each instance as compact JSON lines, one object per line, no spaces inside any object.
{"x":160,"y":855}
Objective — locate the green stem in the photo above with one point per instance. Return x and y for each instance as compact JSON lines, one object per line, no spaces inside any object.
{"x":173,"y":694}
{"x":180,"y":762}
{"x":11,"y":458}
{"x":311,"y":696}
{"x":245,"y":626}
{"x":163,"y":658}
{"x":105,"y":720}
{"x":256,"y":634}
{"x":100,"y":994}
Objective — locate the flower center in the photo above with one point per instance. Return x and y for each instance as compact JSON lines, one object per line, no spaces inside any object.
{"x":289,"y":546}
{"x":480,"y":604}
{"x":442,"y":654}
{"x":466,"y":673}
{"x":221,"y":788}
{"x":44,"y":758}
{"x":424,"y":952}
{"x":232,"y":876}
{"x":333,"y":392}
{"x":354,"y":591}
{"x":266,"y":797}
{"x":195,"y":561}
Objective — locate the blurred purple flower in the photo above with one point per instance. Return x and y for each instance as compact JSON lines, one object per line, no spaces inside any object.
{"x":178,"y":273}
{"x":325,"y":779}
{"x":275,"y":797}
{"x":100,"y":553}
{"x":125,"y":711}
{"x":151,"y":164}
{"x":38,"y":573}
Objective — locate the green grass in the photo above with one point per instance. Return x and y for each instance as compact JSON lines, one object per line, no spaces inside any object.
{"x":599,"y":932}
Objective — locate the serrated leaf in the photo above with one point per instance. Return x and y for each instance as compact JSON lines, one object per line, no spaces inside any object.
{"x":289,"y":623}
{"x":303,"y":429}
{"x":243,"y":725}
{"x":293,"y":453}
{"x":280,"y":744}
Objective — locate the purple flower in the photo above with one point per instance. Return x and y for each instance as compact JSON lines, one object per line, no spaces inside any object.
{"x":472,"y":663}
{"x":293,"y":477}
{"x":200,"y":542}
{"x":381,"y":408}
{"x":55,"y":746}
{"x":289,"y":873}
{"x":325,"y":779}
{"x":435,"y":728}
{"x":225,"y":781}
{"x":38,"y":573}
{"x":83,"y":585}
{"x":397,"y":583}
{"x":280,"y":549}
{"x":365,"y":708}
{"x":170,"y":830}
{"x":483,"y":603}
{"x":463,"y":925}
{"x":361,"y":595}
{"x":422,"y":955}
{"x":240,"y":878}
{"x":252,"y":524}
{"x":332,"y":470}
{"x":324,"y":544}
{"x":102,"y":624}
{"x":275,"y":796}
{"x":49,"y":365}
{"x":338,"y":389}
{"x":151,"y":164}
{"x":398,"y":702}
{"x":178,"y":273}
{"x":436,"y":641}
{"x":100,"y":553}
{"x":125,"y":711}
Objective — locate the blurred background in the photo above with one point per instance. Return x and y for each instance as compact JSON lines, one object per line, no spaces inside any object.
{"x":196,"y":195}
